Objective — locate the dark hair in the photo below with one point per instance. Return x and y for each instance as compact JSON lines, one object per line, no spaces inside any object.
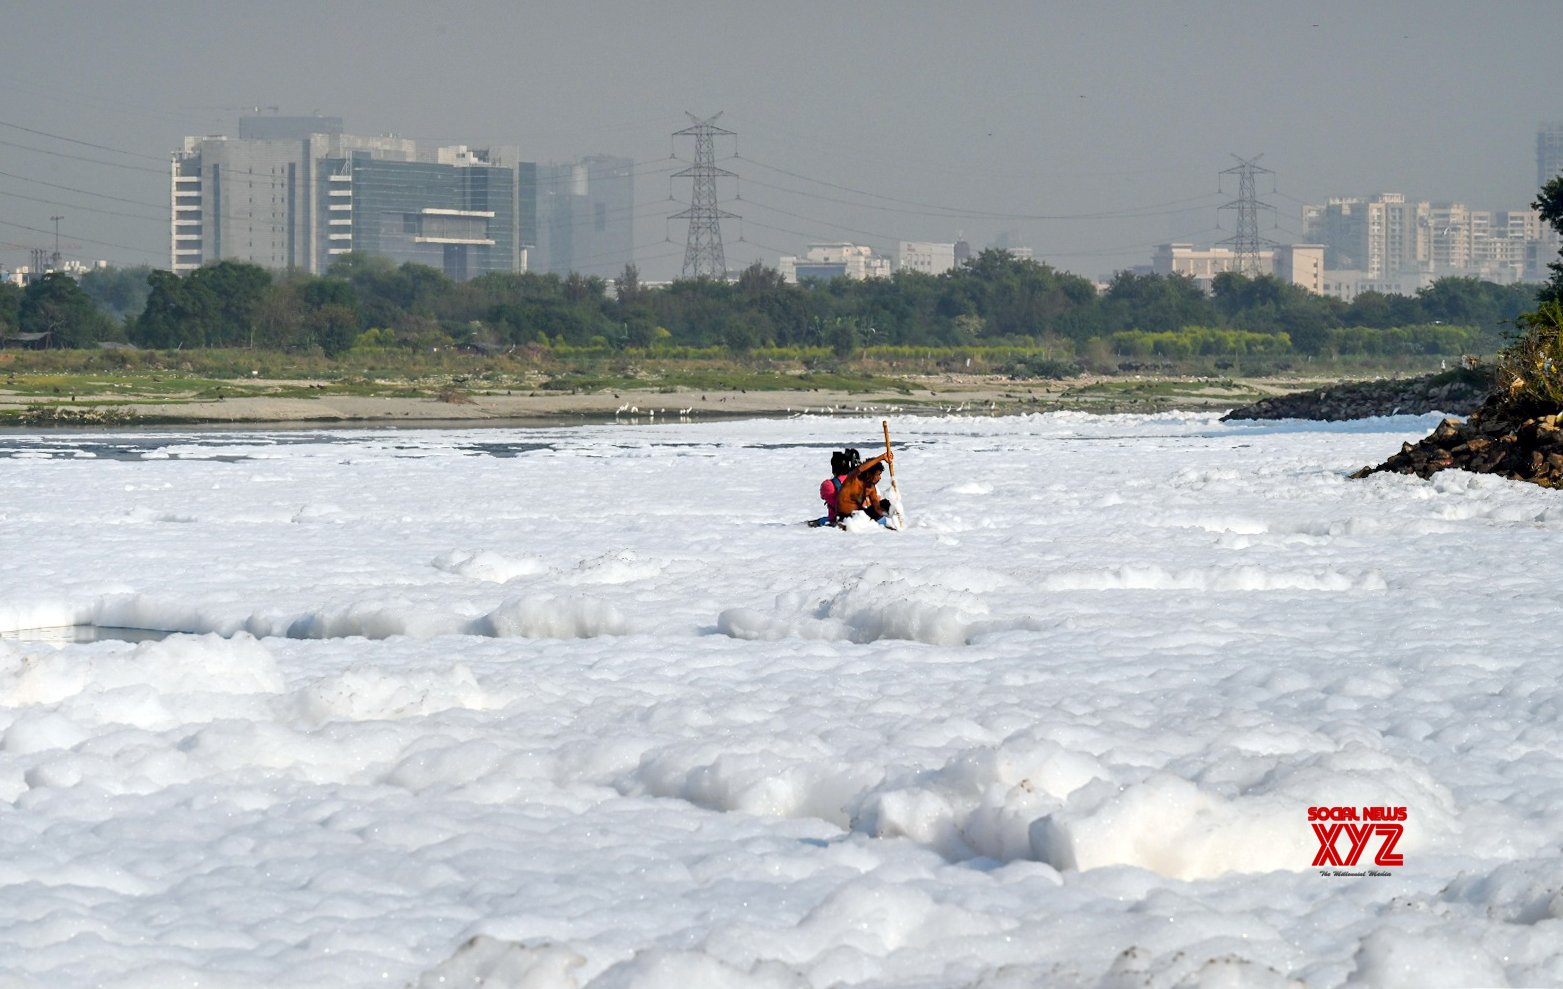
{"x":842,"y":461}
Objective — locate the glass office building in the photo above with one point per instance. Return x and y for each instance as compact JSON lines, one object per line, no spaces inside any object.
{"x":458,"y":218}
{"x":295,"y":192}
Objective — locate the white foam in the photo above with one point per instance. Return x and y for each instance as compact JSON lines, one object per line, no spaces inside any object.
{"x":1065,"y":731}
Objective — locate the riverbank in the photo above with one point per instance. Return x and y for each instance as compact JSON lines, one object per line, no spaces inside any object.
{"x":316,"y":402}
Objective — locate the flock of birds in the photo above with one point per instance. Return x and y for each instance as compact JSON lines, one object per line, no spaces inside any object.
{"x":628,"y":410}
{"x":633,"y":411}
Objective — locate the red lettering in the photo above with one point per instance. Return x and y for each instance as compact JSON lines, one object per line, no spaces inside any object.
{"x":1359,"y":840}
{"x":1386,"y":852}
{"x":1383,"y":813}
{"x":1327,"y":853}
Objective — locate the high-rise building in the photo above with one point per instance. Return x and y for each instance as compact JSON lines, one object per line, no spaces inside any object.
{"x":1381,"y":235}
{"x":296,"y":192}
{"x":1549,"y":152}
{"x":586,"y":213}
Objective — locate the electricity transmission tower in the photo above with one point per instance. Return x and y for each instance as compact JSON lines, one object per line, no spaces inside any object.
{"x":1246,"y":242}
{"x":703,"y":256}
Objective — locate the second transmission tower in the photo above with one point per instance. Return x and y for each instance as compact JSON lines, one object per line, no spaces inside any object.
{"x":703,"y":257}
{"x":1246,"y":242}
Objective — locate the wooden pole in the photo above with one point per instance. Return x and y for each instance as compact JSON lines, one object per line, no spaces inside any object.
{"x":900,"y":517}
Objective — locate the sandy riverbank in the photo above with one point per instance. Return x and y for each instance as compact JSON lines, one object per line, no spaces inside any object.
{"x":948,"y":394}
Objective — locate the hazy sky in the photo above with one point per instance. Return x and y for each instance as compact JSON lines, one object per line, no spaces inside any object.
{"x":873,"y":122}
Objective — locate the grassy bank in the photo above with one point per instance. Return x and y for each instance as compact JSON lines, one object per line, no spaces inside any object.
{"x":64,"y":385}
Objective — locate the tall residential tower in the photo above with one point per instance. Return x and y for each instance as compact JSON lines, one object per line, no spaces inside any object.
{"x":1549,"y":152}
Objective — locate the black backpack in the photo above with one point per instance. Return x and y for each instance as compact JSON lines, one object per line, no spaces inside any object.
{"x":843,"y":461}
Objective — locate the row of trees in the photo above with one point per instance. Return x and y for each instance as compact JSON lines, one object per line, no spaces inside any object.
{"x":993,"y":298}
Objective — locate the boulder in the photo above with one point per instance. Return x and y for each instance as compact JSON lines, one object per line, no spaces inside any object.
{"x":1520,"y":444}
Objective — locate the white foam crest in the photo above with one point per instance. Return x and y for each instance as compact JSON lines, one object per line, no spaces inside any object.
{"x":663,"y":968}
{"x":754,"y":780}
{"x":488,"y":565}
{"x":752,"y":624}
{"x":370,"y":693}
{"x":1175,"y":827}
{"x":1528,"y":891}
{"x":18,"y":615}
{"x":1151,"y":577}
{"x":617,"y":567}
{"x":490,"y":961}
{"x":166,"y":614}
{"x":541,"y":616}
{"x":321,"y":512}
{"x":981,"y":802}
{"x":1388,"y":958}
{"x":376,"y":620}
{"x":143,"y":514}
{"x":878,"y":603}
{"x":179,"y":665}
{"x":974,"y":488}
{"x":883,"y":604}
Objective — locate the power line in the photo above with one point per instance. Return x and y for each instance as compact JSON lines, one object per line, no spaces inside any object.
{"x":94,"y":161}
{"x":86,"y":240}
{"x":887,"y":238}
{"x":89,"y":209}
{"x":954,"y":212}
{"x":85,"y":144}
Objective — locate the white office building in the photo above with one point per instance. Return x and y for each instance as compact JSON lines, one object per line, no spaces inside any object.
{"x":823,"y":262}
{"x":926,"y":257}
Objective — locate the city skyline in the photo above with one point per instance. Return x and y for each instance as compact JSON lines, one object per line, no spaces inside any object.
{"x":1091,"y":136}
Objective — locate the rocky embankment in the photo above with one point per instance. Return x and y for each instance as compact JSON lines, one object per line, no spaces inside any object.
{"x":1494,"y":440}
{"x":1460,"y":392}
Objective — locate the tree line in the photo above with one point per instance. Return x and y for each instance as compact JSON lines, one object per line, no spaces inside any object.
{"x":993,"y":298}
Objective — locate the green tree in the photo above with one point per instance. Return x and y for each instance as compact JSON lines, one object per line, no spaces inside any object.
{"x":743,"y":333}
{"x":334,"y":328}
{"x":236,"y":290}
{"x":1530,"y":369}
{"x":10,"y":308}
{"x":1155,"y":303}
{"x":119,"y":292}
{"x":1549,"y":203}
{"x":56,"y":305}
{"x":176,"y":314}
{"x":279,"y":320}
{"x":628,"y":289}
{"x":843,"y":338}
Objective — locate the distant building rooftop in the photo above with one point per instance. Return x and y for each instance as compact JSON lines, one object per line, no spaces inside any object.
{"x":272,"y":128}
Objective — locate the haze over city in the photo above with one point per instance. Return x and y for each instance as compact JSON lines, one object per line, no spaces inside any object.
{"x":1086,"y":132}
